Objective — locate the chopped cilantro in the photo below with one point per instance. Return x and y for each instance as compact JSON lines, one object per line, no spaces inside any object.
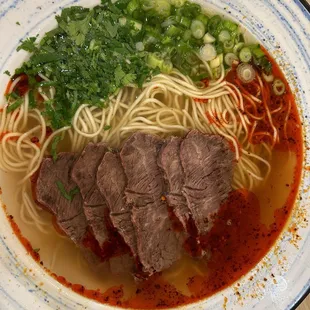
{"x":68,"y":195}
{"x":32,"y":102}
{"x":107,"y":127}
{"x":28,"y":45}
{"x":37,"y":250}
{"x":7,"y":72}
{"x":18,"y":23}
{"x":95,"y":52}
{"x":12,"y":95}
{"x":55,"y":143}
{"x":12,"y":107}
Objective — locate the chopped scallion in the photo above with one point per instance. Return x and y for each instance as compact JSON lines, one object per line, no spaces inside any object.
{"x":230,"y":58}
{"x":208,"y":52}
{"x":208,"y":38}
{"x":224,"y":35}
{"x":198,"y":29}
{"x":245,"y":55}
{"x":278,"y":87}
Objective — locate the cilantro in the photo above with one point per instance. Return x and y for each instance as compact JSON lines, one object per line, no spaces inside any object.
{"x":28,"y":45}
{"x":7,"y":72}
{"x":91,"y":55}
{"x":12,"y":107}
{"x":107,"y":127}
{"x":68,"y":195}
{"x":55,"y":143}
{"x":32,"y":102}
{"x":18,"y":23}
{"x":37,"y":250}
{"x":13,"y":95}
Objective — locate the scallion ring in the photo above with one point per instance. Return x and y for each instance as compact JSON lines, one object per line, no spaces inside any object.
{"x":278,"y":87}
{"x":246,"y":73}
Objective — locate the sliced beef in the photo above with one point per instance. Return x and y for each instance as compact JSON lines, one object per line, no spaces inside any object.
{"x":170,"y":162}
{"x":84,"y":174}
{"x":111,"y":181}
{"x":158,"y":245}
{"x":69,"y":213}
{"x":207,"y":162}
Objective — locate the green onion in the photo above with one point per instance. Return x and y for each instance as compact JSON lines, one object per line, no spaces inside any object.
{"x":140,"y":46}
{"x":198,"y":29}
{"x":132,"y":6}
{"x":137,"y":26}
{"x":229,"y":25}
{"x":186,"y":22}
{"x":203,"y":18}
{"x":216,"y":72}
{"x":15,"y":105}
{"x":246,"y":73}
{"x":224,"y":35}
{"x":147,"y":5}
{"x":230,"y":58}
{"x":258,"y":53}
{"x":191,"y":58}
{"x":173,"y":31}
{"x":189,"y":9}
{"x":122,"y":21}
{"x":162,"y":7}
{"x":154,"y":60}
{"x":208,"y":52}
{"x":171,"y":20}
{"x":166,"y":66}
{"x":214,"y":25}
{"x":216,"y":62}
{"x":245,"y":55}
{"x":219,"y":46}
{"x":238,"y":47}
{"x":166,"y":40}
{"x":269,"y":78}
{"x":208,"y":38}
{"x":278,"y":87}
{"x":177,"y":3}
{"x":187,"y":35}
{"x":228,"y":46}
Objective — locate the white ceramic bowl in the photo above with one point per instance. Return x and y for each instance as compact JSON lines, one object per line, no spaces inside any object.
{"x":283,"y":26}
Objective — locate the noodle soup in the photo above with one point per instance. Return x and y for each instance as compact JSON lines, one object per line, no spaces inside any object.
{"x":254,"y":110}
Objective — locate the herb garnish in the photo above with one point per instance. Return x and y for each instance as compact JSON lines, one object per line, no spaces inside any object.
{"x":107,"y":127}
{"x":7,"y":72}
{"x":28,"y":45}
{"x":68,"y":195}
{"x":93,"y":53}
{"x":55,"y":143}
{"x":15,"y":105}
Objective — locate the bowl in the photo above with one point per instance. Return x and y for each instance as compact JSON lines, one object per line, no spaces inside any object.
{"x":282,"y":278}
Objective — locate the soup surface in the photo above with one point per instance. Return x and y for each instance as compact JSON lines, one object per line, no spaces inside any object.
{"x":164,"y":68}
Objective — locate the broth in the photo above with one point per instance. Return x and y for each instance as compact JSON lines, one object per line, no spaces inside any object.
{"x":247,"y":226}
